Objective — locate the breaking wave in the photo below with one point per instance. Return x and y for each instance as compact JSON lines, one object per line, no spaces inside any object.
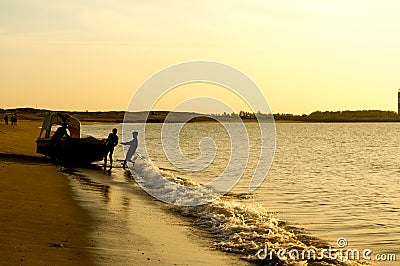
{"x":235,"y":225}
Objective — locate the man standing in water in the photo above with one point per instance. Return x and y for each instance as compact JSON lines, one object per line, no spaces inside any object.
{"x":132,"y":149}
{"x":111,"y":142}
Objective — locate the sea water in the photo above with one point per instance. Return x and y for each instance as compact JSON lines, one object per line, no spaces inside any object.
{"x":327,"y":182}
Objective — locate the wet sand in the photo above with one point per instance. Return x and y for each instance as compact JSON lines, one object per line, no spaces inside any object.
{"x":132,"y":228}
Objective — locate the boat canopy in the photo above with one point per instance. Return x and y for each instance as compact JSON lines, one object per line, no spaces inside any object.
{"x":73,"y":124}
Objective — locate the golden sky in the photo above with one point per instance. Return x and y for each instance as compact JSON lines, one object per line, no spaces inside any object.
{"x":304,"y":55}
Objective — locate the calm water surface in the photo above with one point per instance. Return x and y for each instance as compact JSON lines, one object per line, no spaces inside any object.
{"x":339,"y":180}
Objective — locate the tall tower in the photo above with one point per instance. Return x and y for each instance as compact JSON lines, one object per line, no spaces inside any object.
{"x":398,"y":102}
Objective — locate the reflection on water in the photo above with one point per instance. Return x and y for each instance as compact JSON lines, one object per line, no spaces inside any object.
{"x":88,"y":184}
{"x":339,"y":180}
{"x":131,"y":228}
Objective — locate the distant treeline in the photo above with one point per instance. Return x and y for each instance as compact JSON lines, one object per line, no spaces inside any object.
{"x":160,"y":116}
{"x":327,"y":116}
{"x":343,"y":116}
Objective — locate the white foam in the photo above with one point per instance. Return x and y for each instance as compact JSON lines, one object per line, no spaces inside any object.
{"x":236,"y":227}
{"x":166,"y":187}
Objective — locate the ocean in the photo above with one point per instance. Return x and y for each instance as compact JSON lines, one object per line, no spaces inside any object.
{"x":329,"y":184}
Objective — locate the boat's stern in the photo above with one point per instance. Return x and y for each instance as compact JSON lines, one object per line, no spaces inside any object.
{"x":43,"y":146}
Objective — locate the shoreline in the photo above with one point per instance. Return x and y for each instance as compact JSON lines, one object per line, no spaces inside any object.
{"x":133,"y":228}
{"x":48,"y":216}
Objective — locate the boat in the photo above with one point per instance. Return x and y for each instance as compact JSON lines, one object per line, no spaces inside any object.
{"x":72,"y":149}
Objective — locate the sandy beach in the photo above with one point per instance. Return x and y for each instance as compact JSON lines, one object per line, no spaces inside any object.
{"x":41,"y":223}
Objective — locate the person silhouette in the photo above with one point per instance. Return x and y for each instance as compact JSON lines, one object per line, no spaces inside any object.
{"x":133,"y":144}
{"x":111,"y":142}
{"x":13,"y":119}
{"x":60,"y":133}
{"x":56,"y":140}
{"x":6,"y":119}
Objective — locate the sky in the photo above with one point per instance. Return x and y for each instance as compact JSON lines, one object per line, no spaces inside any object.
{"x":304,"y":55}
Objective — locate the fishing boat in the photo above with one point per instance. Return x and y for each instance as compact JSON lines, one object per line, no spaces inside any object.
{"x":71,"y":148}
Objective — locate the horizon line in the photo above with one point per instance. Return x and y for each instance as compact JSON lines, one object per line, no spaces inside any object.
{"x":109,"y":111}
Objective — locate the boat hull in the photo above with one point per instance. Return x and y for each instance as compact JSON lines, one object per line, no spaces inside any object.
{"x":76,"y":151}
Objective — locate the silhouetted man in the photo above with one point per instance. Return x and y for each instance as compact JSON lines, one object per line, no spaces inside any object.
{"x":111,"y":142}
{"x":14,"y":120}
{"x":132,"y":148}
{"x":61,"y":132}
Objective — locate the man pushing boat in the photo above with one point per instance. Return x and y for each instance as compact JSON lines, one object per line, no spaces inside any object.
{"x":132,"y":148}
